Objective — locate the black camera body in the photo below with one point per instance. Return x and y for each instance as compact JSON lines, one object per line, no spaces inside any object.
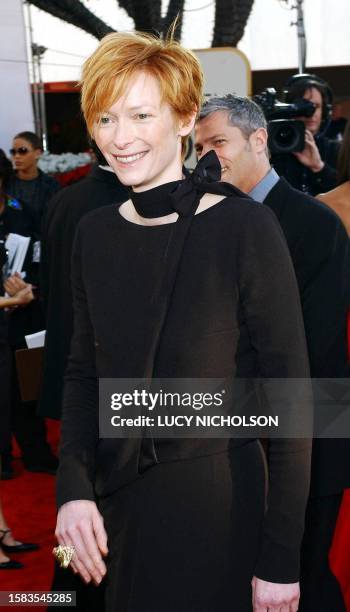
{"x":286,"y":134}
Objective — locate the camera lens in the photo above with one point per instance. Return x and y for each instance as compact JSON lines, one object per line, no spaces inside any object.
{"x":286,"y":136}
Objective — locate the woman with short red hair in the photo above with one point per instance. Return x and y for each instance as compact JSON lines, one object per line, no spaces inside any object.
{"x":182,"y":281}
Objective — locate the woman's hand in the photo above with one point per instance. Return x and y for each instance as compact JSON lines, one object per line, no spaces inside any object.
{"x":20,"y":292}
{"x":274,"y":597}
{"x":14,"y":283}
{"x":23,"y":296}
{"x":80,"y":524}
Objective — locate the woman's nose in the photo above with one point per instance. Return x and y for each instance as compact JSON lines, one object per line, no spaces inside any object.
{"x":123,"y":135}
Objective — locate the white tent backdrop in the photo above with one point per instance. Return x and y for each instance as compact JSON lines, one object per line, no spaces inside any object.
{"x":269,"y":40}
{"x":16,"y":113}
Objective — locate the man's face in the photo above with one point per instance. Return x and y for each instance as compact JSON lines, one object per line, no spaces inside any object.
{"x":235,"y":152}
{"x":313,"y":123}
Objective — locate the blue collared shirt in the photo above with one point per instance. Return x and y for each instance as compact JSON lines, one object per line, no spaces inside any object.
{"x":263,"y":188}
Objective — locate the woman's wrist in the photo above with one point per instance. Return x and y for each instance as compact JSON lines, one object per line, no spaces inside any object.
{"x":318,"y":167}
{"x":7,"y":302}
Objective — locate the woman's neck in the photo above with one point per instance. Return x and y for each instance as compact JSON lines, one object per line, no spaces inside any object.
{"x":28,"y":175}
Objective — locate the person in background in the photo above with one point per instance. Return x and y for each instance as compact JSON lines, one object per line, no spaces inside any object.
{"x":100,"y":188}
{"x":339,"y":198}
{"x":13,"y":217}
{"x":313,"y":169}
{"x":235,"y":128}
{"x":28,"y":427}
{"x":21,"y":296}
{"x":337,"y":124}
{"x":32,"y":187}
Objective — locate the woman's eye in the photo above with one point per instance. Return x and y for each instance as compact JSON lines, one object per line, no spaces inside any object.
{"x":104,"y":120}
{"x":142,"y":115}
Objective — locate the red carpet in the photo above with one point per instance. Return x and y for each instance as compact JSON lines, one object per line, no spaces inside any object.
{"x":29,"y":506}
{"x":340,"y":551}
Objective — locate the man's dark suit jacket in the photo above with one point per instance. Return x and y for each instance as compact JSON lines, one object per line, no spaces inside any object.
{"x":65,"y":210}
{"x":319,"y":248}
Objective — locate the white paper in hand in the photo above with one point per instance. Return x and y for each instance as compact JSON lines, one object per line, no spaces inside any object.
{"x":36,"y":340}
{"x":17,"y":247}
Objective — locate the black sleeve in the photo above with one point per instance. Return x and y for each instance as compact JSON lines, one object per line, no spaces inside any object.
{"x":327,"y":252}
{"x":76,"y":472}
{"x":325,"y":180}
{"x":48,"y":220}
{"x":272,"y":311}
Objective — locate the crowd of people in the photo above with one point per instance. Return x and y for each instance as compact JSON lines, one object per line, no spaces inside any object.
{"x":238,"y":269}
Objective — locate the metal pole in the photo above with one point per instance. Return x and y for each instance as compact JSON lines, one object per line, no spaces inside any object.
{"x":301,"y":37}
{"x":35,"y":97}
{"x":41,"y":50}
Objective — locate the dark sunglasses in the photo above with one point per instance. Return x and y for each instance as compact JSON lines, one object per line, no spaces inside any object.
{"x":20,"y":151}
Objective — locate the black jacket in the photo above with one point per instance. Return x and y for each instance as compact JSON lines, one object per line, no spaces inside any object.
{"x":319,"y":248}
{"x":17,"y":219}
{"x":301,"y":177}
{"x":34,"y":195}
{"x":222,"y":321}
{"x":64,"y":211}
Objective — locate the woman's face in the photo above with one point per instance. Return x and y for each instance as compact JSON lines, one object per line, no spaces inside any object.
{"x":25,"y":157}
{"x":140,"y":137}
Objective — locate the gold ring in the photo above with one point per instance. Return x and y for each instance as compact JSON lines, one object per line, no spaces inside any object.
{"x":64,"y":554}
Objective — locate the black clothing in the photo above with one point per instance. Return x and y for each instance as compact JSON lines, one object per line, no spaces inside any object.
{"x":224,"y":320}
{"x":15,"y":219}
{"x":5,"y":397}
{"x":304,"y":179}
{"x":193,"y":554}
{"x":34,"y":195}
{"x":336,"y":129}
{"x":20,"y":417}
{"x":99,"y":188}
{"x":159,"y":206}
{"x":319,"y":248}
{"x":89,"y":598}
{"x":5,"y":366}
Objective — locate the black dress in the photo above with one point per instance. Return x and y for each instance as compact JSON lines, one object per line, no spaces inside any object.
{"x":187,"y":520}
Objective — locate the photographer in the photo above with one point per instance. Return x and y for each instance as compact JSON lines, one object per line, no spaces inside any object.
{"x":313,"y":169}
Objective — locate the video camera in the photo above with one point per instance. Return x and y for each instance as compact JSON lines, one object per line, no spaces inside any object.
{"x":286,"y":134}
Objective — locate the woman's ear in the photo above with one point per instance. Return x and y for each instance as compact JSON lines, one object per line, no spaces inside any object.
{"x":186,"y":124}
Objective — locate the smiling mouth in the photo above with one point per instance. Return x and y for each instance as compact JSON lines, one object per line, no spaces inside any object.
{"x":129,"y":159}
